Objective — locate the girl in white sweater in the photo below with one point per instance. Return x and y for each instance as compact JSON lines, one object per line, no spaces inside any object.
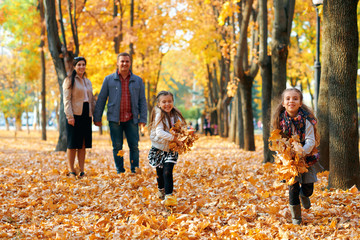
{"x":164,"y":115}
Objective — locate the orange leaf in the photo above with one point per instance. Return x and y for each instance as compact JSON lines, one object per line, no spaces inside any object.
{"x":120,"y":153}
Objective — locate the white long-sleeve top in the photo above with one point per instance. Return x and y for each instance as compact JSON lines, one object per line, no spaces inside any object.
{"x":160,"y":138}
{"x":309,"y":138}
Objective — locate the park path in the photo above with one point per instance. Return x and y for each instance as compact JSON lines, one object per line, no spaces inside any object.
{"x":223,"y":193}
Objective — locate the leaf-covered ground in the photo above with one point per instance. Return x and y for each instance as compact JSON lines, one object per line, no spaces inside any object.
{"x":223,"y":193}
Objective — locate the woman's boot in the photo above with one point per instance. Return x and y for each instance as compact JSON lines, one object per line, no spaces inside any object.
{"x":296,"y":214}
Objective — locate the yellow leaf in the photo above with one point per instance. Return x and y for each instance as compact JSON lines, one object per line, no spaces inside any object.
{"x":275,"y":135}
{"x":353,"y":189}
{"x":120,"y":153}
{"x":171,"y":219}
{"x":333,"y":223}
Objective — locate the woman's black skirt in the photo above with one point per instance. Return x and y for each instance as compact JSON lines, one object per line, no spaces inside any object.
{"x":82,"y":130}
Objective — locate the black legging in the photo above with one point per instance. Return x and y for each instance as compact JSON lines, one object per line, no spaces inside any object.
{"x":306,"y":189}
{"x":165,"y":177}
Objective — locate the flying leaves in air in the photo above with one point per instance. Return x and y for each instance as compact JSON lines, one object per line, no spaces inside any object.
{"x":120,"y":153}
{"x":289,"y":159}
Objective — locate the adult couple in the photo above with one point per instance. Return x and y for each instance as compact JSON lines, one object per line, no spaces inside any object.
{"x":126,"y":110}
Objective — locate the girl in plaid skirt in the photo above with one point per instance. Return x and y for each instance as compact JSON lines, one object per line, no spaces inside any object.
{"x":164,"y":115}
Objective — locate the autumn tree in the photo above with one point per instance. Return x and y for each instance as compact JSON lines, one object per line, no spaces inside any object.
{"x":283,"y":17}
{"x":246,"y":70}
{"x":43,"y":69}
{"x":337,"y":103}
{"x":266,"y":76}
{"x":212,"y":43}
{"x":62,"y":52}
{"x":154,"y":21}
{"x":19,"y":79}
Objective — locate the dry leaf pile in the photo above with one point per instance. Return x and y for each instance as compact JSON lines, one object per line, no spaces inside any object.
{"x":187,"y":137}
{"x":223,"y":193}
{"x":289,"y":159}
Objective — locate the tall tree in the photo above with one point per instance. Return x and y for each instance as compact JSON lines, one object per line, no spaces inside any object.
{"x":246,"y":72}
{"x":283,"y":16}
{"x":118,"y":28}
{"x":43,"y":71}
{"x":61,"y":53}
{"x":55,"y":48}
{"x":340,"y":59}
{"x":265,"y":70}
{"x":131,"y":46}
{"x":24,"y":70}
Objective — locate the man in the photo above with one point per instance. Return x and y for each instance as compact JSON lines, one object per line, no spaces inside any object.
{"x":126,"y":109}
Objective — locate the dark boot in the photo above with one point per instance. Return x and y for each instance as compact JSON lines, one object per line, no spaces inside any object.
{"x":305,"y":201}
{"x":295,"y":214}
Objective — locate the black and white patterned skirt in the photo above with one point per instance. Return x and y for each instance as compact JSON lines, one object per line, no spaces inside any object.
{"x":158,"y":157}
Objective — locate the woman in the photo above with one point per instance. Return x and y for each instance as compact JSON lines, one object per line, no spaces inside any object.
{"x":79,"y":105}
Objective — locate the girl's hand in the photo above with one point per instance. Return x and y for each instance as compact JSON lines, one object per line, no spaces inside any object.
{"x":71,"y":122}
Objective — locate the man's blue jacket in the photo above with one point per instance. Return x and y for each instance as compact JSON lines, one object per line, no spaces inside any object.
{"x":111,"y":91}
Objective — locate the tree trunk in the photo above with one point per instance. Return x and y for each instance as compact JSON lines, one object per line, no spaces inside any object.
{"x":117,"y":37}
{"x":233,"y":121}
{"x":240,"y":62}
{"x":37,"y":110}
{"x":27,"y":121}
{"x":220,"y":106}
{"x":283,"y":13}
{"x":18,"y":122}
{"x":43,"y":72}
{"x":323,"y":113}
{"x":220,"y":118}
{"x":131,"y":27}
{"x":55,"y":50}
{"x":266,"y":76}
{"x":247,"y":112}
{"x":226,"y":118}
{"x":341,"y":58}
{"x":240,"y":123}
{"x":7,"y":124}
{"x":266,"y":107}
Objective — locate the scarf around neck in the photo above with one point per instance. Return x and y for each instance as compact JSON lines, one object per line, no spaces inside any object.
{"x":299,"y":122}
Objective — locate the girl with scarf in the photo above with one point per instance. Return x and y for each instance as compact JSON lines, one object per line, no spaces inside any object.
{"x":295,"y":118}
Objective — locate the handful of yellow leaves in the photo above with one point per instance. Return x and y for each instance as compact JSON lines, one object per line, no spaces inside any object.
{"x":289,"y":159}
{"x":187,"y":137}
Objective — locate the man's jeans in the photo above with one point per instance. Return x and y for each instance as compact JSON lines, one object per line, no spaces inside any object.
{"x":132,"y":135}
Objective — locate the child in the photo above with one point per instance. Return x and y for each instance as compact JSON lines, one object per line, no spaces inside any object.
{"x":295,"y":118}
{"x":164,"y":115}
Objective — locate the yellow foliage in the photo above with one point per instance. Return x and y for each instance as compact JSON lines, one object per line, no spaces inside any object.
{"x":187,"y":137}
{"x":289,"y":159}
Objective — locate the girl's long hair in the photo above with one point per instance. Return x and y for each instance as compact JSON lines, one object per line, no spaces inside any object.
{"x":164,"y":116}
{"x":275,"y":122}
